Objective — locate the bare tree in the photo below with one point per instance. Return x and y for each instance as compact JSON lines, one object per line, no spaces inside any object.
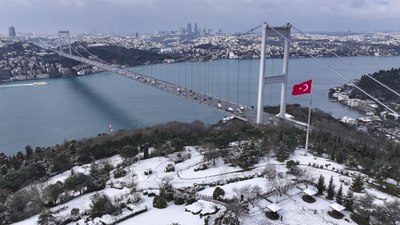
{"x":306,"y":176}
{"x":210,"y":152}
{"x":247,"y":192}
{"x":365,"y":205}
{"x":389,"y":213}
{"x":278,"y":185}
{"x":270,"y":172}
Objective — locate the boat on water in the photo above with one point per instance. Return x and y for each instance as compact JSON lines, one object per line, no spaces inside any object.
{"x":40,"y":83}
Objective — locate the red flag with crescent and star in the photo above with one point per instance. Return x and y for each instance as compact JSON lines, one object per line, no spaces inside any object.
{"x":302,"y":88}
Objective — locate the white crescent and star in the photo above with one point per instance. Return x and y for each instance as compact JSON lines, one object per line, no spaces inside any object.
{"x":304,"y":87}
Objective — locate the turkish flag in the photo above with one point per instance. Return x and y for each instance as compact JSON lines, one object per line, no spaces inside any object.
{"x":302,"y":88}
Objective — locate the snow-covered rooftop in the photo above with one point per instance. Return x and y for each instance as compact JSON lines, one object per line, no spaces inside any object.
{"x":274,"y":207}
{"x":337,"y":207}
{"x":310,"y":192}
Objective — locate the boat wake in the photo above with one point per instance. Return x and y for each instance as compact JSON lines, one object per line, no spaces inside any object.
{"x":25,"y":85}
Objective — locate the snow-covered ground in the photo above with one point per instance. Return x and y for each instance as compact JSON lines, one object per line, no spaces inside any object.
{"x":294,"y":209}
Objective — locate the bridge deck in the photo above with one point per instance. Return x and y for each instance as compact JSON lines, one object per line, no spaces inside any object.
{"x":231,"y":108}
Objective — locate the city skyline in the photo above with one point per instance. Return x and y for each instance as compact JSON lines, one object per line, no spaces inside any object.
{"x":149,"y":16}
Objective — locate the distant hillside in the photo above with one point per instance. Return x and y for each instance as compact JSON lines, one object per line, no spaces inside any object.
{"x":391,"y":78}
{"x":124,"y":56}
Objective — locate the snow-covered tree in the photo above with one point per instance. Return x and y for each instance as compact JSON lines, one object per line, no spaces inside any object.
{"x":159,"y":202}
{"x":218,"y":193}
{"x":247,"y":192}
{"x":349,"y":200}
{"x":365,"y":205}
{"x":351,"y":161}
{"x":358,"y":184}
{"x":321,"y":185}
{"x":383,"y":171}
{"x":101,"y":204}
{"x":339,"y":195}
{"x":47,"y":218}
{"x":280,"y":186}
{"x":331,"y":189}
{"x":270,"y":172}
{"x":388,"y":214}
{"x":305,"y":175}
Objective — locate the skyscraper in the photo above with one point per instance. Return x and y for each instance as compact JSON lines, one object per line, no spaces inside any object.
{"x":189,"y":28}
{"x":195,"y":30}
{"x":11,"y":31}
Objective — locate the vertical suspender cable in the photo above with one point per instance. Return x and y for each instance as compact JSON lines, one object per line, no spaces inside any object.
{"x":191,"y":76}
{"x":208,"y":78}
{"x":249,"y":84}
{"x":238,"y":75}
{"x":185,"y":76}
{"x":212,"y":79}
{"x":199,"y":73}
{"x":227,"y":80}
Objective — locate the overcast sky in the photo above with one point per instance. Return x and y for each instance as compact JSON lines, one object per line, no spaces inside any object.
{"x":148,"y":16}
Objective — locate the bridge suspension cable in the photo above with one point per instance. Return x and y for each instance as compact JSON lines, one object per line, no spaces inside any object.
{"x":338,"y":73}
{"x":348,"y":62}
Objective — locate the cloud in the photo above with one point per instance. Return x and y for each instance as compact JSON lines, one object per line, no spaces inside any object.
{"x":231,"y":15}
{"x":33,"y":3}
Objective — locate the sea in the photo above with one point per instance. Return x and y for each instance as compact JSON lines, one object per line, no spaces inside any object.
{"x":78,"y":107}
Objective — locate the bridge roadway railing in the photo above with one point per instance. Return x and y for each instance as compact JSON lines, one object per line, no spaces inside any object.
{"x":231,"y":108}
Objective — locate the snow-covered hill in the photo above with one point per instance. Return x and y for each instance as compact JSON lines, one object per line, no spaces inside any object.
{"x":252,"y":188}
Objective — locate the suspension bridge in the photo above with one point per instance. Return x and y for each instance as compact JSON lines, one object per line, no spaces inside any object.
{"x":208,"y":97}
{"x":240,"y":111}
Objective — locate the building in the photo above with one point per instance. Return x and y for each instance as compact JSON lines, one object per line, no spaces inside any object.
{"x":196,"y":31}
{"x":189,"y":28}
{"x":11,"y":31}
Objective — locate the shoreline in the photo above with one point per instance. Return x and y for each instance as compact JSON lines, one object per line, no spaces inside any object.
{"x":190,"y":61}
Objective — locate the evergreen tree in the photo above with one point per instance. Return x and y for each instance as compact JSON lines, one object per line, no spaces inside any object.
{"x":339,"y":157}
{"x":358,"y":184}
{"x":349,"y":200}
{"x":159,"y":202}
{"x":321,"y":185}
{"x":46,"y":218}
{"x":218,"y":193}
{"x":333,"y":155}
{"x":28,"y":152}
{"x":331,"y":189}
{"x":339,"y":195}
{"x":101,"y":204}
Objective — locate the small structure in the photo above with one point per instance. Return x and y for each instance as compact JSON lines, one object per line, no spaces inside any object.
{"x":308,"y":197}
{"x":336,"y":212}
{"x":337,"y":207}
{"x":309,"y":192}
{"x":273,"y":213}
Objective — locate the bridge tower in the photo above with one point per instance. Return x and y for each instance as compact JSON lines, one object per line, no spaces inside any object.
{"x":64,"y":38}
{"x":268,"y":31}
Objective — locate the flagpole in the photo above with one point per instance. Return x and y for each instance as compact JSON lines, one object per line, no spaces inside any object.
{"x":308,"y":123}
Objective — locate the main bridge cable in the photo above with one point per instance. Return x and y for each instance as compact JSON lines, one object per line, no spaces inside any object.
{"x":94,"y":57}
{"x":348,"y":62}
{"x":77,"y":52}
{"x":336,"y":72}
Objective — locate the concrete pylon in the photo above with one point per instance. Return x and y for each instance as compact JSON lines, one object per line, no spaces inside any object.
{"x":282,"y":32}
{"x":62,"y":35}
